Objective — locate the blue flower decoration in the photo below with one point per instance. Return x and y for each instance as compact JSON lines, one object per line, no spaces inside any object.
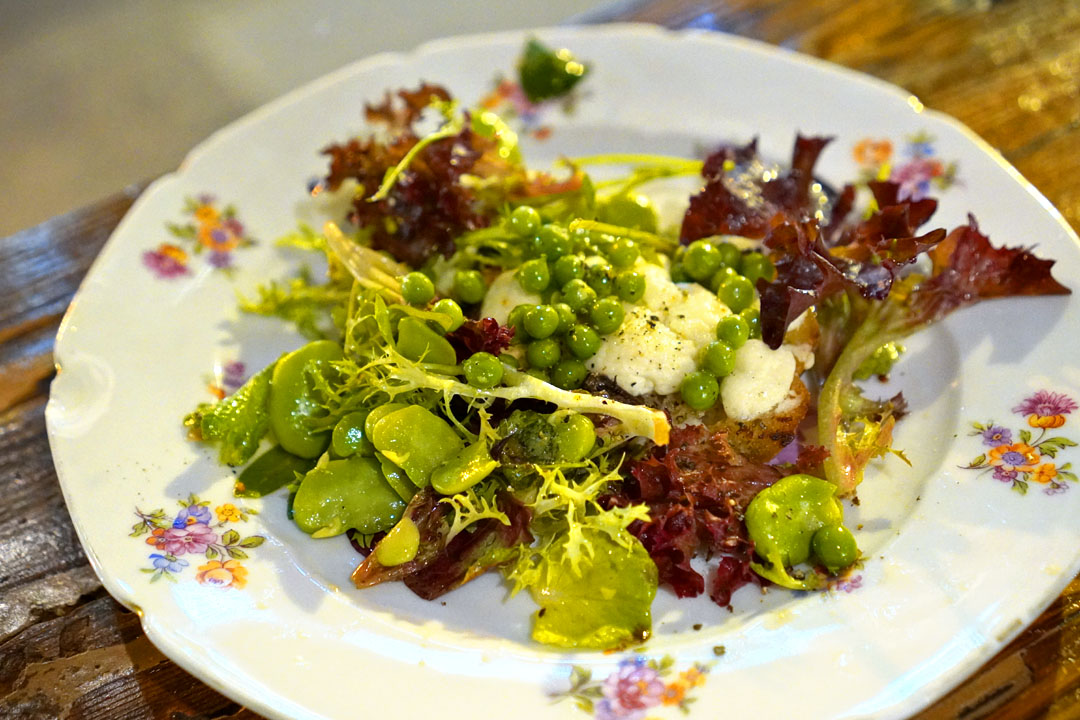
{"x":162,"y":562}
{"x":192,"y":514}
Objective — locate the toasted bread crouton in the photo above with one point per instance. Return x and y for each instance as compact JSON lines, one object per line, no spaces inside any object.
{"x":761,"y":438}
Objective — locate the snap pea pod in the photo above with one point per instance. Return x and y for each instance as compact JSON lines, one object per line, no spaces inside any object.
{"x":395,"y":476}
{"x":463,"y":470}
{"x":349,"y":438}
{"x":341,"y":494}
{"x":293,"y":404}
{"x":400,"y":544}
{"x":272,"y":470}
{"x":418,"y":342}
{"x":784,"y":520}
{"x":416,"y":440}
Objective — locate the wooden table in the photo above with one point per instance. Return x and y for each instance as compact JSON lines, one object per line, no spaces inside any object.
{"x":1010,"y":70}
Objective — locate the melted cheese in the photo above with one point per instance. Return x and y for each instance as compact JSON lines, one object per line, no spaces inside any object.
{"x":760,"y":381}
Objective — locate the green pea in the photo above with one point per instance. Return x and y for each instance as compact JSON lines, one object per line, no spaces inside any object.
{"x":754,"y":265}
{"x":555,"y":243}
{"x":483,"y":370}
{"x":752,"y":316}
{"x":578,"y":295}
{"x":417,"y":288}
{"x":630,"y":286}
{"x":835,"y":547}
{"x":567,"y":318}
{"x":734,"y":330}
{"x":699,"y":390}
{"x":400,"y":544}
{"x":418,"y":342}
{"x":293,"y":404}
{"x":378,"y":414}
{"x":606,"y":315}
{"x":342,"y":494}
{"x":534,"y":276}
{"x":568,"y":373}
{"x":629,"y":210}
{"x":469,"y":286}
{"x":416,"y":440}
{"x":524,"y":221}
{"x":543,"y":354}
{"x":448,"y":307}
{"x":348,"y":436}
{"x":395,"y":478}
{"x":600,"y":276}
{"x":702,"y":260}
{"x":541,"y":321}
{"x":718,"y":358}
{"x":575,"y":436}
{"x":737,"y":293}
{"x":464,"y":470}
{"x":720,"y":277}
{"x":583,"y":341}
{"x":730,"y":256}
{"x":567,"y":268}
{"x":623,"y":253}
{"x":782,"y":520}
{"x":678,"y":273}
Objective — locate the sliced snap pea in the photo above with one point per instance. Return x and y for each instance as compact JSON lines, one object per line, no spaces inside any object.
{"x":378,"y":414}
{"x":419,"y":342}
{"x":400,"y":544}
{"x":343,"y":494}
{"x":416,"y":440}
{"x":464,"y":470}
{"x":274,"y":469}
{"x":348,"y":437}
{"x":395,"y":476}
{"x":782,"y":520}
{"x":293,"y":404}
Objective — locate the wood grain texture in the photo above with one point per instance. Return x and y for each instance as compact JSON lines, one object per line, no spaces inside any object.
{"x":1010,"y":70}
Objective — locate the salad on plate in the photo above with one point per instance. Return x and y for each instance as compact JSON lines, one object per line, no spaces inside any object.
{"x":537,"y":373}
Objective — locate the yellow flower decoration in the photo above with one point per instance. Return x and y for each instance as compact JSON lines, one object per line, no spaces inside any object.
{"x":1046,"y":421}
{"x":693,"y":677}
{"x":1045,"y":473}
{"x":1016,"y":456}
{"x":206,"y":214}
{"x":674,"y":693}
{"x":228,"y":513}
{"x":223,"y":574}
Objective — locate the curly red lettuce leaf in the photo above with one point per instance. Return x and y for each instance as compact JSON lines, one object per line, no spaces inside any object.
{"x":697,"y":489}
{"x":967,"y":268}
{"x":483,"y":335}
{"x":441,"y":566}
{"x":428,"y":205}
{"x":736,"y":201}
{"x":866,"y":258}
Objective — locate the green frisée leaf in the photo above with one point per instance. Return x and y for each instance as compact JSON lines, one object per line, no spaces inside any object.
{"x":237,"y":422}
{"x":604,"y":606}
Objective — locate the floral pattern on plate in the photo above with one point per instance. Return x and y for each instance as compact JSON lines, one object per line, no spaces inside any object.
{"x":637,"y":685}
{"x":210,"y":230}
{"x":915,"y":169}
{"x":1022,"y":458}
{"x":197,"y":531}
{"x":227,"y":378}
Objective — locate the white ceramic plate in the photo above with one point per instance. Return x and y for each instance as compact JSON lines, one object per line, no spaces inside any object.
{"x":959,"y":561}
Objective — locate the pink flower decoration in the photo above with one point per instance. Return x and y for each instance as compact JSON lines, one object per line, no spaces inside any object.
{"x":192,"y":539}
{"x":1046,"y":404}
{"x":632,"y":688}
